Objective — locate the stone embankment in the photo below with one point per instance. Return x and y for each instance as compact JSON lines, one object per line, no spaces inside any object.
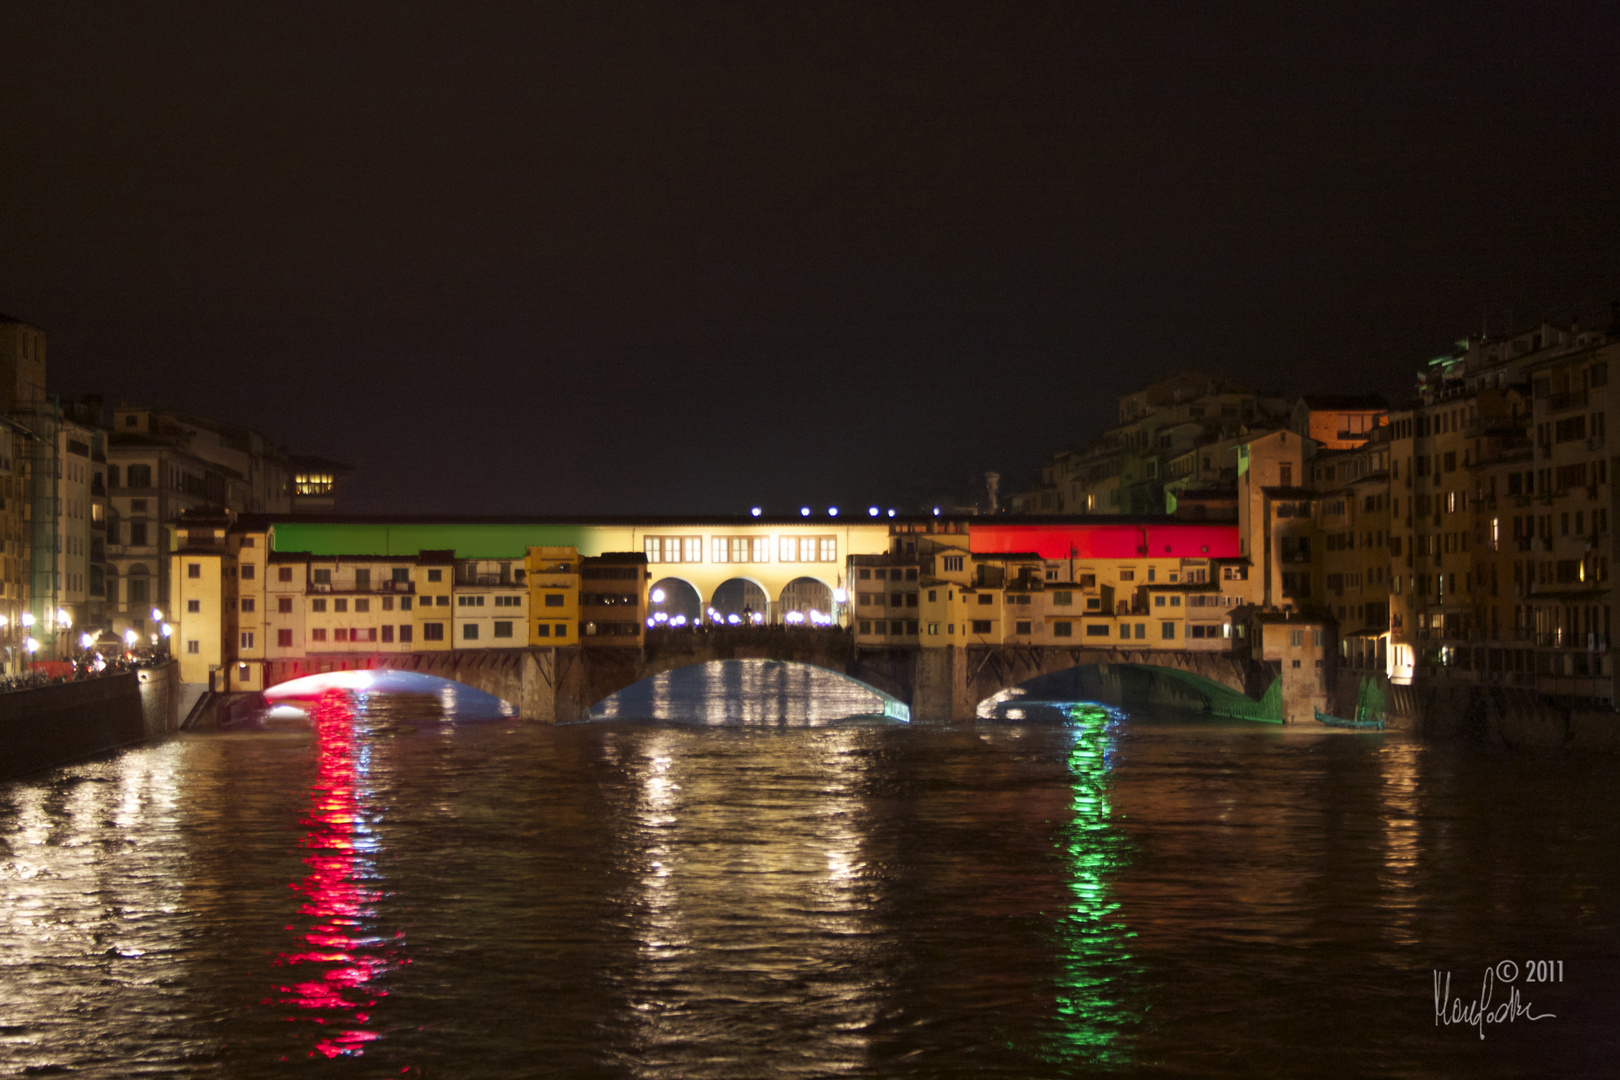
{"x":52,"y":725}
{"x":1509,"y":717}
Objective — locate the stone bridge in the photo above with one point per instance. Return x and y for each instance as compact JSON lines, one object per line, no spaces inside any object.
{"x":556,"y":685}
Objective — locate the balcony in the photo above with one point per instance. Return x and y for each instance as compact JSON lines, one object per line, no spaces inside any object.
{"x":1569,"y":399}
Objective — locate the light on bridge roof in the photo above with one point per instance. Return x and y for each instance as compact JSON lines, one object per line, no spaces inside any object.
{"x":755,"y":511}
{"x":804,"y":511}
{"x":832,"y":511}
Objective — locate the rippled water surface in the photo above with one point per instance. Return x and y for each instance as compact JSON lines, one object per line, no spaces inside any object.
{"x":1075,"y":893}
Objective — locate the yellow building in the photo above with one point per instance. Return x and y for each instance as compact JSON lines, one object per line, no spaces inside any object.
{"x":434,"y":578}
{"x":553,"y":593}
{"x":204,"y":615}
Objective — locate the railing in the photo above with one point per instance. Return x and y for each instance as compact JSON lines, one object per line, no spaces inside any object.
{"x":1569,"y":399}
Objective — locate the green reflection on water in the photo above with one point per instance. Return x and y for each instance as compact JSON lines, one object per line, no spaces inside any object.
{"x":1094,"y":1022}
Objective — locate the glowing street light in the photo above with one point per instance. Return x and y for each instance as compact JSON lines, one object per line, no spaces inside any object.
{"x":166,"y":630}
{"x":804,"y":511}
{"x":28,"y":618}
{"x":157,"y":616}
{"x":840,"y":596}
{"x":755,"y":511}
{"x":936,"y":511}
{"x":31,"y":645}
{"x":130,"y":638}
{"x":658,"y":596}
{"x":84,"y":641}
{"x":832,"y":511}
{"x":63,"y":619}
{"x":891,"y":511}
{"x":872,"y":510}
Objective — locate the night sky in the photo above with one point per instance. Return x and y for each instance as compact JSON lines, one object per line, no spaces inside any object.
{"x":598,"y":257}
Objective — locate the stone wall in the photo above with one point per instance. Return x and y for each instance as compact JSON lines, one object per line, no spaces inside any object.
{"x":53,"y":725}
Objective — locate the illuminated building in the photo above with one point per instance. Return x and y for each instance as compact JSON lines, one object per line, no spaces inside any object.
{"x":315,"y":485}
{"x":553,"y":594}
{"x":1339,"y":421}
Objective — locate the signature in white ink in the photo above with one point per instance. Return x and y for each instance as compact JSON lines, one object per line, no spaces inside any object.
{"x":1479,"y":1012}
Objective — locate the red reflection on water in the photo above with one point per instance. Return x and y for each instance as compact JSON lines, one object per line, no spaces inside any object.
{"x":335,"y":898}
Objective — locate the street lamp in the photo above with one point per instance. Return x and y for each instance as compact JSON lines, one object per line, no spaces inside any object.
{"x":63,"y":619}
{"x":28,"y":618}
{"x":157,"y":616}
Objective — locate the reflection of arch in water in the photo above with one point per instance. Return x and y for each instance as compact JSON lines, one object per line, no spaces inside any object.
{"x":675,"y":599}
{"x":1135,"y":684}
{"x":803,"y":596}
{"x":458,"y":700}
{"x":738,"y":595}
{"x":749,"y":692}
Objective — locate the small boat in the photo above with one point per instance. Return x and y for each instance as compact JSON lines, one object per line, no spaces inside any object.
{"x":1339,"y":721}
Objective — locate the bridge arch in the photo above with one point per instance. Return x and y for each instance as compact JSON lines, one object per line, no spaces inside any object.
{"x":749,"y":690}
{"x":457,"y":700}
{"x":1203,"y":682}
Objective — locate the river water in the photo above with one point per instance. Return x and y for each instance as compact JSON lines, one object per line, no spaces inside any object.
{"x":772,"y":881}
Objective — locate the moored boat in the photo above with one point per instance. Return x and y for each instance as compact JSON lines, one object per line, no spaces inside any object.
{"x":1339,"y":721}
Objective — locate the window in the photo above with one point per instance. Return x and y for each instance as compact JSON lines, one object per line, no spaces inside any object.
{"x":542,"y":630}
{"x":562,"y":631}
{"x":952,"y":564}
{"x":1158,"y":600}
{"x":1021,"y":627}
{"x":1062,"y":598}
{"x":317,"y":635}
{"x":340,"y":604}
{"x":983,"y":626}
{"x":193,"y":647}
{"x":554,"y":599}
{"x":193,"y":607}
{"x":284,"y":605}
{"x":1167,"y":630}
{"x":469,"y":631}
{"x":433,"y":631}
{"x":1127,"y":575}
{"x":405,"y":633}
{"x":388,"y":603}
{"x":321,"y":577}
{"x":340,"y":634}
{"x":317,"y":605}
{"x":247,"y":639}
{"x":140,"y":476}
{"x":404,"y":603}
{"x":284,"y":638}
{"x":283,"y":573}
{"x":435,"y":575}
{"x":248,"y":603}
{"x":360,"y":605}
{"x":1296,"y":638}
{"x":1141,"y":631}
{"x":1063,"y":629}
{"x":1097,"y":629}
{"x":194,"y":570}
{"x":502,"y":629}
{"x":387,"y":634}
{"x":866,"y":626}
{"x":987,"y":598}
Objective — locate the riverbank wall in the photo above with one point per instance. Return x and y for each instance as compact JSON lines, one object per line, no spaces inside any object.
{"x":1509,"y":717}
{"x":54,"y":725}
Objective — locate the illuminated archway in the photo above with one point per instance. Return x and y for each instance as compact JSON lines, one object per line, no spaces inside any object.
{"x":749,"y":692}
{"x":1047,"y":695}
{"x":676,"y":600}
{"x":806,"y":601}
{"x":455,"y":701}
{"x":739,"y":600}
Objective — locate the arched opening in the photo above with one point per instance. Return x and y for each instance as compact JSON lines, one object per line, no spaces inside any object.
{"x":769,"y":693}
{"x":737,"y":602}
{"x":1051,"y":696}
{"x":806,"y":602}
{"x":673,"y":602}
{"x":406,"y":695}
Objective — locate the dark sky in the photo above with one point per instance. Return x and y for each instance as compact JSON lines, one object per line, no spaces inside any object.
{"x":549,"y":258}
